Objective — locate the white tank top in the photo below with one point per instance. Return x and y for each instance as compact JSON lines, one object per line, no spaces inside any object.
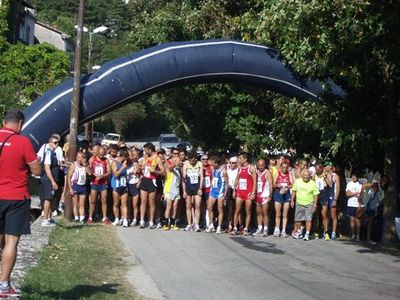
{"x":79,"y":175}
{"x":232,"y":174}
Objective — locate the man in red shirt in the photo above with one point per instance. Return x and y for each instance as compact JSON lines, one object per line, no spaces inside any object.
{"x":17,"y":160}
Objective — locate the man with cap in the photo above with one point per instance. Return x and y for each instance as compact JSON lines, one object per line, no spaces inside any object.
{"x":232,"y":170}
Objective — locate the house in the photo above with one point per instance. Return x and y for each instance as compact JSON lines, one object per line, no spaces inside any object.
{"x":46,"y":34}
{"x":24,"y":25}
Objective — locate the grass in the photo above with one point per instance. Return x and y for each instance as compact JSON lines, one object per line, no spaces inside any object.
{"x":80,"y":262}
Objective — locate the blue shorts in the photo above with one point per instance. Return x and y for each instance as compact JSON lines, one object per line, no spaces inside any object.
{"x":215,"y":194}
{"x":99,"y":187}
{"x":192,"y":189}
{"x":79,"y":189}
{"x":133,"y":190}
{"x":282,"y":198}
{"x":330,"y":202}
{"x":351,"y":211}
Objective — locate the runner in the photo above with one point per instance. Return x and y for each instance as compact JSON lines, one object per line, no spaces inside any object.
{"x":192,"y":181}
{"x":207,"y":177}
{"x":151,"y":167}
{"x":334,"y":196}
{"x":160,"y":189}
{"x":282,"y":184}
{"x":77,"y":185}
{"x":302,"y":164}
{"x":219,"y":191}
{"x":171,"y":191}
{"x":354,"y":195}
{"x":245,"y":191}
{"x":305,"y":193}
{"x":133,"y":171}
{"x":101,"y":170}
{"x":263,"y":198}
{"x":232,"y":170}
{"x":119,"y":187}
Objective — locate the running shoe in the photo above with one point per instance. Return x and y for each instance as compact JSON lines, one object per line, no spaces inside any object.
{"x":166,"y":227}
{"x":116,"y":222}
{"x":197,"y":228}
{"x":159,"y":225}
{"x":219,"y":230}
{"x":47,"y":223}
{"x":89,"y":221}
{"x":55,"y":213}
{"x":258,"y":232}
{"x":106,"y":221}
{"x":357,"y":238}
{"x":265,"y":232}
{"x":121,"y":221}
{"x":245,"y":231}
{"x":229,"y":229}
{"x":333,"y":236}
{"x":133,"y":223}
{"x":326,"y":236}
{"x":316,"y":236}
{"x":241,"y":231}
{"x":142,"y":225}
{"x":9,"y":292}
{"x":306,"y":237}
{"x":372,"y":243}
{"x":175,"y":227}
{"x":277,"y":232}
{"x":187,"y":228}
{"x":284,"y":234}
{"x":234,"y":231}
{"x":152,"y":226}
{"x":125,"y":223}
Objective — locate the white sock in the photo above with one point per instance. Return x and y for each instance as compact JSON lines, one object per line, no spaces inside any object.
{"x":260,"y":227}
{"x":76,"y":218}
{"x":81,"y":218}
{"x":207,"y":219}
{"x":307,"y":232}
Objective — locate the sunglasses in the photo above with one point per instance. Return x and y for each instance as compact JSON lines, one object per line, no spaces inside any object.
{"x":55,"y":143}
{"x":175,"y":153}
{"x":204,"y":159}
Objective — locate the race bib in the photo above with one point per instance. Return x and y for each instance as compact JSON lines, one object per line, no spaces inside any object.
{"x":146,"y":171}
{"x":320,"y":184}
{"x":133,"y":179}
{"x":194,"y":179}
{"x":82,"y":179}
{"x":242,"y":184}
{"x":122,"y":181}
{"x":207,"y":182}
{"x":98,"y":170}
{"x":259,"y":186}
{"x":215,"y":182}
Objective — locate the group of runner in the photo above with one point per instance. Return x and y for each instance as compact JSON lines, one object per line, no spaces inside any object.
{"x":216,"y":191}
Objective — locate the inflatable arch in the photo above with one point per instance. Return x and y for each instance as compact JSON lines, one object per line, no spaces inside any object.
{"x":145,"y":72}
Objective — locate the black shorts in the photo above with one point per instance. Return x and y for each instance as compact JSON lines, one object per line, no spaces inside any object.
{"x":148,"y":185}
{"x":15,"y":217}
{"x":46,"y":191}
{"x":192,"y":189}
{"x":159,"y":183}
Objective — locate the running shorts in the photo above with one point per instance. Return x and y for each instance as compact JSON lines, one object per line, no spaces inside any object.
{"x":148,"y":185}
{"x":99,"y":187}
{"x":133,"y":190}
{"x":282,"y":198}
{"x":79,"y":189}
{"x":15,"y":216}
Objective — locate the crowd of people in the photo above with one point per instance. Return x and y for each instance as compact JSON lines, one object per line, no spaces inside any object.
{"x":214,"y":192}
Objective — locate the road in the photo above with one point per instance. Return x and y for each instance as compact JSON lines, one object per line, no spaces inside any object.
{"x":189,"y":265}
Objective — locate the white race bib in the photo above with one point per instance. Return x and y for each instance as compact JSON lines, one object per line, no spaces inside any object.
{"x":207,"y":182}
{"x":98,"y":170}
{"x":122,"y":181}
{"x":215,"y":182}
{"x":259,"y":186}
{"x":242,"y":184}
{"x":146,"y":171}
{"x":194,"y":179}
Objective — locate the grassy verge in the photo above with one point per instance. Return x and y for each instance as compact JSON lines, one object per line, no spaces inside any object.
{"x":80,"y":262}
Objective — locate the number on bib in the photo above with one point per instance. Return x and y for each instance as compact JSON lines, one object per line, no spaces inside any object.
{"x":98,"y":170}
{"x":215,"y":182}
{"x":194,"y":179}
{"x":207,"y":182}
{"x":146,"y":171}
{"x":259,"y":186}
{"x":242,"y":184}
{"x":123,"y":181}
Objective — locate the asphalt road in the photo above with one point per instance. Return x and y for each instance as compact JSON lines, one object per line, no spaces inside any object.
{"x":190,"y":265}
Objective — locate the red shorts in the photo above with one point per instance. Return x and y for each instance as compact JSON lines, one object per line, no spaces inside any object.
{"x":262,"y":200}
{"x":244,"y":195}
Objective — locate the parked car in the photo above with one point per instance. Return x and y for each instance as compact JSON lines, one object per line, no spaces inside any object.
{"x":168,"y":141}
{"x":112,"y":138}
{"x":185,"y":145}
{"x":97,"y":137}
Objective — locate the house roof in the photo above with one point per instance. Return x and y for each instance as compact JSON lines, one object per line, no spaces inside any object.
{"x":63,"y":34}
{"x":28,"y":4}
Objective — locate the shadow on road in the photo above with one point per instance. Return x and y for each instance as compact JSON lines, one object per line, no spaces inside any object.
{"x":257,"y":245}
{"x":78,"y":292}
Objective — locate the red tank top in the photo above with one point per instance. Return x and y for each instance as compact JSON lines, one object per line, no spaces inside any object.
{"x":99,"y":167}
{"x":207,"y":173}
{"x":150,"y":163}
{"x":245,"y":183}
{"x":283,"y":178}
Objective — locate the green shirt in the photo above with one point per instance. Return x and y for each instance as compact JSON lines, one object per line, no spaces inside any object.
{"x":305,"y":191}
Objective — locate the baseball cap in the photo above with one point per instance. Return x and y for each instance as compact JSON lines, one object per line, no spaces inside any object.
{"x":204,"y":157}
{"x":328,"y":163}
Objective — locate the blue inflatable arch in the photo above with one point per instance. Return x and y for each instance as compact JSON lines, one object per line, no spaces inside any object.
{"x":145,"y":72}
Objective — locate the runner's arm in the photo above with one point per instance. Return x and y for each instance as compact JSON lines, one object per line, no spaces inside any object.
{"x":160,"y":166}
{"x":254,"y":175}
{"x":183,"y":179}
{"x":337,"y":186}
{"x":225,"y":174}
{"x":201,"y":176}
{"x":269,"y":179}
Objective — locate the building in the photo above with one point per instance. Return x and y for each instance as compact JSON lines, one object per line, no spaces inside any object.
{"x":24,"y":26}
{"x":46,"y":34}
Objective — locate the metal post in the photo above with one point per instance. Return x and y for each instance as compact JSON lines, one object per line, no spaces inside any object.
{"x":73,"y":126}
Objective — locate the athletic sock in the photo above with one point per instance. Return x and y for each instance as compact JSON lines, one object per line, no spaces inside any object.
{"x":260,"y":227}
{"x":81,"y":218}
{"x":76,"y":218}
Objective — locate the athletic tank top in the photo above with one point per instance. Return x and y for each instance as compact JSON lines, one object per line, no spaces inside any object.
{"x":245,"y":183}
{"x":263,"y":188}
{"x":132,"y":178}
{"x":79,"y":175}
{"x":149,"y":164}
{"x":121,"y":180}
{"x":207,"y":174}
{"x":218,"y":181}
{"x":232,"y":174}
{"x":172,"y":181}
{"x":193,"y":173}
{"x":283,"y":179}
{"x":99,"y":167}
{"x":321,"y":185}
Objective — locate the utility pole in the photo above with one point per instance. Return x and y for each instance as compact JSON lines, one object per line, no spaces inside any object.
{"x":75,"y":102}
